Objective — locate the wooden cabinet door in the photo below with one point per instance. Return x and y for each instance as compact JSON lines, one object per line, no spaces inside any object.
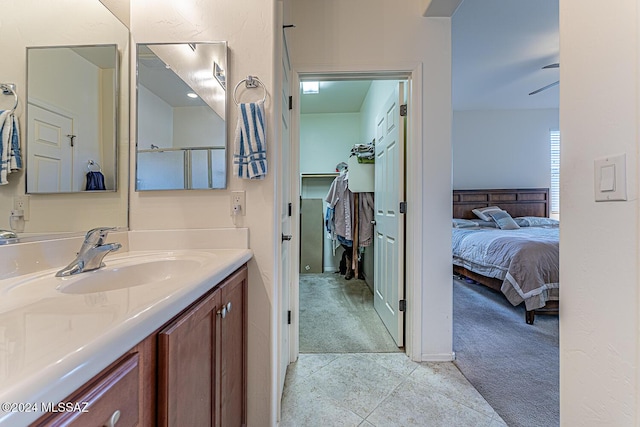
{"x":233,"y":350}
{"x":186,"y":367}
{"x":114,"y":396}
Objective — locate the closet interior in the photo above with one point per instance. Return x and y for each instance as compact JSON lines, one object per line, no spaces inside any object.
{"x":337,"y":186}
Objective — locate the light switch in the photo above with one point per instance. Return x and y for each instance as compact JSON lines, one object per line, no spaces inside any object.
{"x":610,"y":178}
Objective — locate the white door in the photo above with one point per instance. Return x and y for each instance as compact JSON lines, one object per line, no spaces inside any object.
{"x":389,"y":229}
{"x":285,"y":221}
{"x":50,"y":154}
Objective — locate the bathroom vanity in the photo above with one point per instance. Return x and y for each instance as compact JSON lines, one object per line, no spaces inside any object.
{"x":192,"y":371}
{"x":156,"y":337}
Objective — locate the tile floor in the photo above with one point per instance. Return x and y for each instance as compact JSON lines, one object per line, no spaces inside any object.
{"x":380,"y":389}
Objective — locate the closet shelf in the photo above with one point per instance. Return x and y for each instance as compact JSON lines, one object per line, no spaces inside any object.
{"x":320,"y":175}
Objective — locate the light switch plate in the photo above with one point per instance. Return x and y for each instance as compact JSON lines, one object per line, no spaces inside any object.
{"x":610,"y":178}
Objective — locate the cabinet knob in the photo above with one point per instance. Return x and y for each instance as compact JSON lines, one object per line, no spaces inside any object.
{"x":229,"y":307}
{"x":223,"y":312}
{"x":113,"y":419}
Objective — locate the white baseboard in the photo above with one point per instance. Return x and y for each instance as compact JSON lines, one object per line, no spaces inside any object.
{"x":441,"y":357}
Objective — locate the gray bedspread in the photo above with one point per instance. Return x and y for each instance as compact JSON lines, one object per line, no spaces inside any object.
{"x":527,"y":260}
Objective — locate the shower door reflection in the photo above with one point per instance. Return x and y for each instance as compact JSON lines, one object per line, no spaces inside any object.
{"x":196,"y":168}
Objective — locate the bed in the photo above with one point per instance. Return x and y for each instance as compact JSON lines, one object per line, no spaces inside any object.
{"x":521,"y":263}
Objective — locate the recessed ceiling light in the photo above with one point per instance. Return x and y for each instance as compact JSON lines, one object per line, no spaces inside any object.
{"x":192,"y":95}
{"x":310,"y":87}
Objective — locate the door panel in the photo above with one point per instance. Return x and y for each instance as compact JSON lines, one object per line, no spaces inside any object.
{"x":50,"y":151}
{"x":389,"y":230}
{"x":285,"y":222}
{"x":186,"y":367}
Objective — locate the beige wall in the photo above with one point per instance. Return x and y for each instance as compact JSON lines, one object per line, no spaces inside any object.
{"x":333,"y":35}
{"x":249,"y":31}
{"x":599,"y":334}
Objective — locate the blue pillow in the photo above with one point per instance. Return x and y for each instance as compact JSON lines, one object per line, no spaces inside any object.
{"x":503,"y":220}
{"x":538,"y":221}
{"x":463,"y":223}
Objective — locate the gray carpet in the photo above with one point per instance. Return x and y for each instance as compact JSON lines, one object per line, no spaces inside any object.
{"x":513,"y":365}
{"x":337,"y":316}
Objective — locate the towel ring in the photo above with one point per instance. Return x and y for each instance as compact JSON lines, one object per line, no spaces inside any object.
{"x":252,"y":82}
{"x":7,"y":89}
{"x":91,"y":163}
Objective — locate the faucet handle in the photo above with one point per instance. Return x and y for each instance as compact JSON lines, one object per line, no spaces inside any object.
{"x":96,"y":236}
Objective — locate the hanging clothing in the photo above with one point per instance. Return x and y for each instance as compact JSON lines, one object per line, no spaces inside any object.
{"x":341,"y":201}
{"x":365,"y":218}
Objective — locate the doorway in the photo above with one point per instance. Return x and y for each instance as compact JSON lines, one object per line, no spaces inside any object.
{"x":338,"y":282}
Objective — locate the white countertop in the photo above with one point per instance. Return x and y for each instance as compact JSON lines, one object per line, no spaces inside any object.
{"x":51,"y":343}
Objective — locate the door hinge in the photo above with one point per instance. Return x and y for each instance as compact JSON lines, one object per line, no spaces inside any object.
{"x":403,"y":207}
{"x":290,"y":102}
{"x":289,"y":317}
{"x":402,"y":305}
{"x":403,"y":110}
{"x":290,"y":207}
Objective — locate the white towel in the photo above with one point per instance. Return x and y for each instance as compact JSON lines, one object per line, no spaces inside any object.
{"x":250,"y":150}
{"x":10,"y":155}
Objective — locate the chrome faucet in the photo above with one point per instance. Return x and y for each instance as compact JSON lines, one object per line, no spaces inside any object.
{"x":93,"y":250}
{"x":7,"y":237}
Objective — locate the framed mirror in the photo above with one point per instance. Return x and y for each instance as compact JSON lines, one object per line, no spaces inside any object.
{"x":71,"y":126}
{"x":181,"y":109}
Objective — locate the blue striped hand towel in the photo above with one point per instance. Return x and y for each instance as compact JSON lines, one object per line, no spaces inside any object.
{"x":250,"y":150}
{"x":10,"y":155}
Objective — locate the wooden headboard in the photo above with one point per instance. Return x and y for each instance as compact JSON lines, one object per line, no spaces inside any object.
{"x":518,"y":202}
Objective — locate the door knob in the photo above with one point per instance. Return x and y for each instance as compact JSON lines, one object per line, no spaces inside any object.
{"x":286,"y":237}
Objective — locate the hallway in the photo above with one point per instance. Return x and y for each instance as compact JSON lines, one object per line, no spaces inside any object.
{"x":380,"y":389}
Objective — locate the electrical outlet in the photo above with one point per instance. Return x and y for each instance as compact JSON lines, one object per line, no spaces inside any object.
{"x":22,"y":202}
{"x":238,"y":205}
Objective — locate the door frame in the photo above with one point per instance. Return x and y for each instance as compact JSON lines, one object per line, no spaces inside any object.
{"x":414,"y":194}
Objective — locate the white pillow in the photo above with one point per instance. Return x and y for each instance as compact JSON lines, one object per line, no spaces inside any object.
{"x":482,"y":212}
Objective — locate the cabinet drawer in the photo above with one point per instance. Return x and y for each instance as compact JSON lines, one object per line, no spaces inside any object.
{"x":115,"y":391}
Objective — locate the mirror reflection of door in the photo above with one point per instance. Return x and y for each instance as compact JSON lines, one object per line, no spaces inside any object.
{"x":78,"y":83}
{"x":50,"y":153}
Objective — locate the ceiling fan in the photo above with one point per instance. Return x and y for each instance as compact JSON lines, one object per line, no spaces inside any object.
{"x":555,"y":65}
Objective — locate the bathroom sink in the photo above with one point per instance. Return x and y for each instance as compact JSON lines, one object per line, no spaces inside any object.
{"x":122,"y":271}
{"x":127,"y":276}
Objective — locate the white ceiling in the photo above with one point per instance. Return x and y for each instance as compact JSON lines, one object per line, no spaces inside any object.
{"x":162,"y":81}
{"x":335,"y":97}
{"x":498,"y":50}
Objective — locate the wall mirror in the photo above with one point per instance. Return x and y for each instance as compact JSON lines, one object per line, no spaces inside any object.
{"x":77,"y":23}
{"x":181,"y":112}
{"x":71,"y":118}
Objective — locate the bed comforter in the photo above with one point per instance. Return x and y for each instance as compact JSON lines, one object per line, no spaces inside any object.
{"x":526,"y":260}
